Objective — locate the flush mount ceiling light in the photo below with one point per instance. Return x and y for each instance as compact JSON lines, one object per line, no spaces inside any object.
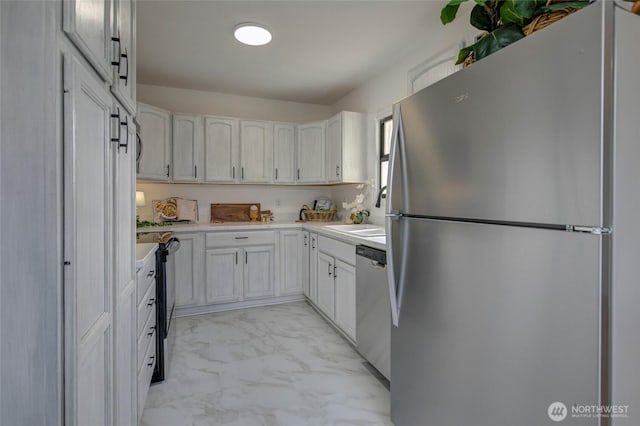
{"x":252,"y":34}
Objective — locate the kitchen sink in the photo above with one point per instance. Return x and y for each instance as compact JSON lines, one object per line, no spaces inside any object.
{"x":368,"y":232}
{"x":351,"y":228}
{"x":365,"y":230}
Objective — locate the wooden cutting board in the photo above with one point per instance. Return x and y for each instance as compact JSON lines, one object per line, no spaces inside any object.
{"x":231,"y":212}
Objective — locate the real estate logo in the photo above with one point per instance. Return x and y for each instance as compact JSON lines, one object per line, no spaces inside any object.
{"x":557,"y":411}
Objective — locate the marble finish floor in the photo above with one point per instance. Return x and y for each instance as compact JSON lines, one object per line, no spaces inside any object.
{"x":278,"y":365}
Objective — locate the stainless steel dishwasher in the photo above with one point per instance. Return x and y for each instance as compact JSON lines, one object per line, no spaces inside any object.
{"x":373,"y":309}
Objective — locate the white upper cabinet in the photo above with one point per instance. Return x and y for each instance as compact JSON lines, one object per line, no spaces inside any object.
{"x":256,"y":151}
{"x":220,"y":149}
{"x":188,"y":140}
{"x":155,"y":143}
{"x":346,"y":148}
{"x":124,"y":55}
{"x":284,"y":153}
{"x":88,"y":25}
{"x":311,"y":152}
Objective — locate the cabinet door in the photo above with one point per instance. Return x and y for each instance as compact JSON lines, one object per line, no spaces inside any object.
{"x":186,"y":147}
{"x":223,"y":275}
{"x":125,"y":282}
{"x":188,"y":268}
{"x":126,"y":360}
{"x":220,"y":149}
{"x":88,"y":278}
{"x":124,"y":56}
{"x":311,"y":152}
{"x":305,"y":251}
{"x":345,"y":278}
{"x":256,"y":151}
{"x":155,"y":138}
{"x":334,"y":148}
{"x":291,"y":262}
{"x":284,"y":153}
{"x":313,"y":268}
{"x":326,"y":284}
{"x":88,"y":25}
{"x":258,"y":272}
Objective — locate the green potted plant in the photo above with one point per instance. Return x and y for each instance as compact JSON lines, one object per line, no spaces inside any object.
{"x":506,"y":21}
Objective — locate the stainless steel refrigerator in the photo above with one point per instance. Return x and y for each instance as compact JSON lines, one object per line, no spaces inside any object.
{"x":500,"y":230}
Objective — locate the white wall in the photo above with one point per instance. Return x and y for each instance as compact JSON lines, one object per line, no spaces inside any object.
{"x":197,"y":101}
{"x":285,"y":202}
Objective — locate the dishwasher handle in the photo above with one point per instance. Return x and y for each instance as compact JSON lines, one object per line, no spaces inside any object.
{"x":378,"y":265}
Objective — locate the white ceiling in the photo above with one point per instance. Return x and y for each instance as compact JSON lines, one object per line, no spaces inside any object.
{"x":321,"y":50}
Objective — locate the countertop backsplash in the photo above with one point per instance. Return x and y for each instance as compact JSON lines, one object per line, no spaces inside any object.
{"x":285,"y":202}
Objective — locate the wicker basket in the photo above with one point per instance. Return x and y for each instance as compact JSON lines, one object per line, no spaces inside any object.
{"x":319,"y":215}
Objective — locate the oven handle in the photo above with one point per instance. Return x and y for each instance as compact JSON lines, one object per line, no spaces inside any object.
{"x":172,"y":245}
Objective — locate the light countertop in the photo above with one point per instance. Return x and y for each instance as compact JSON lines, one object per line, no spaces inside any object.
{"x":322,"y":228}
{"x":143,"y":252}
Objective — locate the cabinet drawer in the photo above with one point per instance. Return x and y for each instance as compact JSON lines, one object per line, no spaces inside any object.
{"x":338,"y":249}
{"x":235,"y":239}
{"x":147,"y":337}
{"x":144,"y":377}
{"x":145,"y":307}
{"x":146,"y":276}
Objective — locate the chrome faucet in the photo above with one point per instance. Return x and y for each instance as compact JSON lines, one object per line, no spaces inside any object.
{"x":380,"y":195}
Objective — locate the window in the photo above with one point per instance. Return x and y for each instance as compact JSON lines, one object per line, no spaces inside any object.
{"x":386,"y":127}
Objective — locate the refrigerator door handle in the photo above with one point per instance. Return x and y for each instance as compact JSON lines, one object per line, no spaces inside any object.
{"x":393,"y":214}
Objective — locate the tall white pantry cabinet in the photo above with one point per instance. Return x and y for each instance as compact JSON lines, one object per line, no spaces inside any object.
{"x":67,"y":153}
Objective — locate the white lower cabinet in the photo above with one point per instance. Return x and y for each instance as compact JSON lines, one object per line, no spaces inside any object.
{"x":313,"y":268}
{"x":326,"y":285}
{"x":336,"y":283}
{"x":188,"y":267}
{"x":236,"y":274}
{"x":223,"y":275}
{"x":259,"y":274}
{"x":292,"y":262}
{"x":146,"y":329}
{"x":240,"y":269}
{"x":345,"y":297}
{"x":306,"y":252}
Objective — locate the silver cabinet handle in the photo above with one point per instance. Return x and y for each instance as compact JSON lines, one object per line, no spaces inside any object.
{"x":276,"y":173}
{"x":329,"y":269}
{"x":242,"y":173}
{"x":150,"y":273}
{"x":195,"y":171}
{"x":334,"y":272}
{"x":337,"y":171}
{"x":150,"y":363}
{"x":233,"y":172}
{"x":241,"y":238}
{"x":168,"y":169}
{"x":152,"y":330}
{"x":151,"y":302}
{"x":305,"y":241}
